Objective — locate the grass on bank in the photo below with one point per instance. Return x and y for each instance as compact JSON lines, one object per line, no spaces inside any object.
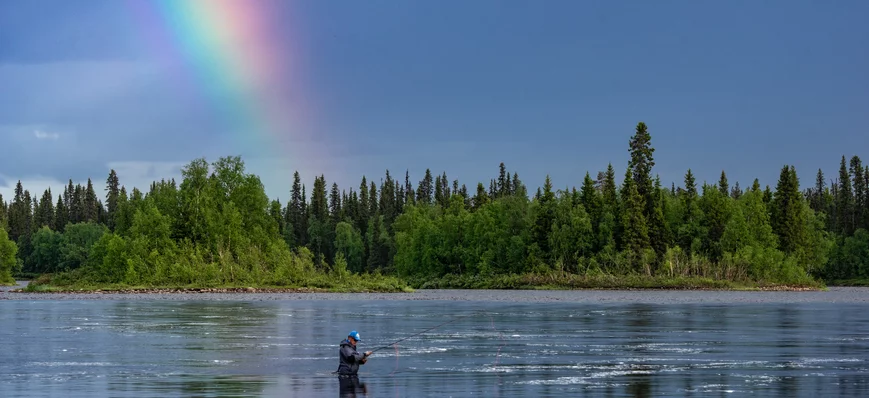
{"x":332,"y":282}
{"x":850,"y":282}
{"x":356,"y":283}
{"x":566,"y":281}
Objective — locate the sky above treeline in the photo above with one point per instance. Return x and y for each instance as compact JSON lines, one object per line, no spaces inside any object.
{"x":349,"y":88}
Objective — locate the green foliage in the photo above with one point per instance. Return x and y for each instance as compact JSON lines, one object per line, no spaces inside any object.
{"x":349,"y":245}
{"x":8,"y":250}
{"x":788,"y":212}
{"x":716,"y":207}
{"x":46,"y":255}
{"x":76,"y":244}
{"x":849,"y":257}
{"x":572,"y":236}
{"x":635,"y":235}
{"x":218,"y":228}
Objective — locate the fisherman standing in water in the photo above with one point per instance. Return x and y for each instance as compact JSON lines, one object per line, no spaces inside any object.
{"x":349,"y":362}
{"x":349,"y":359}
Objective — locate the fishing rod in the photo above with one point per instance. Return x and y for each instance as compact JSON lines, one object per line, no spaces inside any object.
{"x":417,"y":334}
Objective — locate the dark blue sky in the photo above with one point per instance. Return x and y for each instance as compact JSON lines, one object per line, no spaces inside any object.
{"x":551,"y":87}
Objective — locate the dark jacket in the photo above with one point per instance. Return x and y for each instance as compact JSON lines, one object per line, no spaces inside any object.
{"x":349,"y":359}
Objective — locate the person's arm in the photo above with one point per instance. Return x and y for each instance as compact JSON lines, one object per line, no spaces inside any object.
{"x":351,"y":352}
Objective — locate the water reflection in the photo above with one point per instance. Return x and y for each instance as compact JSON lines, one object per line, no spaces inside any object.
{"x":289,"y":348}
{"x":351,"y":387}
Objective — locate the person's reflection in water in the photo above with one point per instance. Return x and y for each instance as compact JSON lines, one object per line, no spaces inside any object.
{"x":349,"y":386}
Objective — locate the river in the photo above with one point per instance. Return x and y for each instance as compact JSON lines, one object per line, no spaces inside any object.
{"x":496,"y":344}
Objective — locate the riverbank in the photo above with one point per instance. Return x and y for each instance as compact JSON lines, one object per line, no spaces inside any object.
{"x":565,"y":281}
{"x":45,"y":284}
{"x":833,"y":294}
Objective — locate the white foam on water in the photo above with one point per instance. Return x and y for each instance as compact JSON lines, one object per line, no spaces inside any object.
{"x":71,"y":363}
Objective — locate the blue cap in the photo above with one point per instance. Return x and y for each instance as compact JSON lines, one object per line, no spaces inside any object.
{"x":355,"y":335}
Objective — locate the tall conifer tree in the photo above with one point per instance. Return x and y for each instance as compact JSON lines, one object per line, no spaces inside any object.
{"x":635,"y":233}
{"x":787,"y":215}
{"x":112,"y":192}
{"x":723,"y":186}
{"x":859,"y":187}
{"x":844,"y":202}
{"x":91,"y":209}
{"x":61,"y":215}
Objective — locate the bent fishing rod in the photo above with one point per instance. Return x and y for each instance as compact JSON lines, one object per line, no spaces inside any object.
{"x":424,"y":331}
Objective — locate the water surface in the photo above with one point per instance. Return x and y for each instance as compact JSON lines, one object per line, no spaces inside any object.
{"x":578,"y":343}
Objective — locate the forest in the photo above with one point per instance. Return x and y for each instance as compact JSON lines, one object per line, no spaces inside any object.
{"x":219,"y":228}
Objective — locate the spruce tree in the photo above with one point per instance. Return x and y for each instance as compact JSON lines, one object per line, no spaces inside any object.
{"x":373,"y":202}
{"x":642,"y":162}
{"x":319,"y":224}
{"x":277,"y":215}
{"x":409,"y":198}
{"x":37,"y":216}
{"x":4,"y":214}
{"x":335,"y":205}
{"x":386,"y":205}
{"x":61,"y":215}
{"x":67,"y":195}
{"x":445,"y":190}
{"x":659,"y":233}
{"x":692,"y":215}
{"x":503,"y":179}
{"x":635,"y":233}
{"x":844,"y":202}
{"x":438,"y":195}
{"x":767,"y":197}
{"x":294,"y":214}
{"x":481,"y":198}
{"x":859,"y":186}
{"x":590,"y":199}
{"x":304,"y":216}
{"x":26,"y":217}
{"x":319,"y":205}
{"x":544,"y":219}
{"x":723,"y":186}
{"x":518,"y":188}
{"x":787,"y":213}
{"x":351,"y":208}
{"x":425,"y":190}
{"x":44,"y":217}
{"x":91,"y":209}
{"x":363,"y":209}
{"x":736,"y":192}
{"x":817,"y":198}
{"x":20,"y":213}
{"x":865,"y":224}
{"x":641,"y":165}
{"x":608,"y":188}
{"x":399,"y":198}
{"x":112,"y":192}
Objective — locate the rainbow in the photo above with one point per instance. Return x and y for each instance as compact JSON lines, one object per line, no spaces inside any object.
{"x":231,"y":55}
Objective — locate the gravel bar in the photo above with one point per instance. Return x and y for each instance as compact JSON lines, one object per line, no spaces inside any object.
{"x":859,"y":295}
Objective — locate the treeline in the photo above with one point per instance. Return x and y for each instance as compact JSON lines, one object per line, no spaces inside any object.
{"x":219,"y":227}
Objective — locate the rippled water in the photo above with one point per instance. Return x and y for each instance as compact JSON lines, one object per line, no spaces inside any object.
{"x":233,"y":347}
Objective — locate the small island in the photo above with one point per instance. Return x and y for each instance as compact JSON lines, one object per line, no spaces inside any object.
{"x":217,"y":231}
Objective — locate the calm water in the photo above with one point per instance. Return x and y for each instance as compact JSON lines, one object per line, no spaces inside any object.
{"x":556,"y":347}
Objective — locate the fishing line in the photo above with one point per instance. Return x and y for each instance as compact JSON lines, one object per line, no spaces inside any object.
{"x":424,"y":331}
{"x":501,"y":336}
